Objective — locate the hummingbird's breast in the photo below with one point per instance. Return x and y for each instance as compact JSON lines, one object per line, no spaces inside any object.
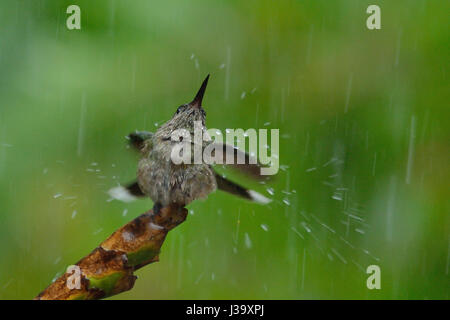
{"x":167,"y":183}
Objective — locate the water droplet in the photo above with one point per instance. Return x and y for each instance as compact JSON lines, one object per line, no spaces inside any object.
{"x":337,"y":196}
{"x":248,"y":241}
{"x":305,"y":226}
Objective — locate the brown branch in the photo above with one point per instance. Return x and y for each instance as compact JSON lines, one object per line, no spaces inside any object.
{"x":108,"y":269}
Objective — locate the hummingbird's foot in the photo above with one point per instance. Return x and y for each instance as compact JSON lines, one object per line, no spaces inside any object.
{"x":157,"y":208}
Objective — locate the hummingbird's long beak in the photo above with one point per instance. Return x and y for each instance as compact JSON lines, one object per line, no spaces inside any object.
{"x":197,"y":102}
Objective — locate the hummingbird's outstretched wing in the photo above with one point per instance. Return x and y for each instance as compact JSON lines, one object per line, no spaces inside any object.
{"x":251,"y":167}
{"x":138,"y":138}
{"x":126,"y":193}
{"x":233,"y":188}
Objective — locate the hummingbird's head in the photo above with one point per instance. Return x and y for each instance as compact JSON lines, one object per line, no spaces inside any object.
{"x":188,"y":113}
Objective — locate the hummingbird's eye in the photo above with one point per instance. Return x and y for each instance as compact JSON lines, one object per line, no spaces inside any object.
{"x":180,"y":109}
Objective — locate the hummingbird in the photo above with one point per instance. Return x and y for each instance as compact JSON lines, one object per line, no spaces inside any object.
{"x":167,"y":183}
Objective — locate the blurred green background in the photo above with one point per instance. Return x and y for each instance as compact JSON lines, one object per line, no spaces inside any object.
{"x":364,"y":143}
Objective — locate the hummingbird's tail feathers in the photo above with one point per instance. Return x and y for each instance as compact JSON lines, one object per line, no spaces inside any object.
{"x":250,"y":167}
{"x":138,"y":138}
{"x":127,"y":193}
{"x":233,"y":188}
{"x":134,"y":189}
{"x":258,"y":197}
